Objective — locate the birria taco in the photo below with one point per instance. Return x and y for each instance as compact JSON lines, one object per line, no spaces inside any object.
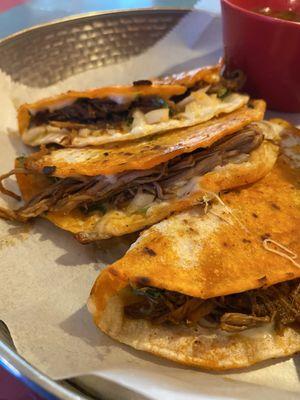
{"x":98,"y":193}
{"x":214,"y":287}
{"x":118,"y":113}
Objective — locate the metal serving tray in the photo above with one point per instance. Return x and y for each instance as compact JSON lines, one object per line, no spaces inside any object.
{"x":43,"y":55}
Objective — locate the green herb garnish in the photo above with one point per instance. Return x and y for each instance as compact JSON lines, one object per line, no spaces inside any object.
{"x":143,"y":210}
{"x":222,"y":92}
{"x":129,"y":120}
{"x":151,"y":293}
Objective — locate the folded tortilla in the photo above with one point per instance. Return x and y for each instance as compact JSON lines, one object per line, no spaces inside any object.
{"x":208,"y":75}
{"x":101,"y":197}
{"x":217,"y":288}
{"x":121,"y":113}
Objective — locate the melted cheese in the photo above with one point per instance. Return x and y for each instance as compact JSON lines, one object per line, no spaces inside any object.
{"x":45,"y":134}
{"x":54,"y":107}
{"x":261,"y":332}
{"x":201,"y":108}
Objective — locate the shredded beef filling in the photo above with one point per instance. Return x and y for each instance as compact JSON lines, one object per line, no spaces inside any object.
{"x":90,"y":193}
{"x":279,"y":303}
{"x":98,"y":112}
{"x":106,"y":112}
{"x":162,"y":181}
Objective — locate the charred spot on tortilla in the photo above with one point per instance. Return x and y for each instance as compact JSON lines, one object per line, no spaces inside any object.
{"x":244,"y":240}
{"x":113,"y":271}
{"x":290,"y":275}
{"x":142,"y":82}
{"x":265,"y":236}
{"x":149,"y":251}
{"x":275,"y":206}
{"x":49,"y":170}
{"x":142,"y":281}
{"x":254,"y":215}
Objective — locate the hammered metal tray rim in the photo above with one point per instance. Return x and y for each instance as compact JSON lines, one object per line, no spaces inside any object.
{"x":32,"y":377}
{"x":75,"y":17}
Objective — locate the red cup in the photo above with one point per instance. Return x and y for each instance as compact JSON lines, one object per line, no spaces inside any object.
{"x":266,"y":49}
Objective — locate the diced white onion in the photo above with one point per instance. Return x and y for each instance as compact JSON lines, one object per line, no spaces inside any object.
{"x":238,"y":159}
{"x":188,"y":187}
{"x":140,"y":200}
{"x":198,"y":98}
{"x":184,"y":102}
{"x":155,"y":116}
{"x":122,"y":99}
{"x":138,"y":119}
{"x":44,"y":134}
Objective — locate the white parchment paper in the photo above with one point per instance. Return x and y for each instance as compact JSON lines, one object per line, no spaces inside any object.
{"x":46,"y":275}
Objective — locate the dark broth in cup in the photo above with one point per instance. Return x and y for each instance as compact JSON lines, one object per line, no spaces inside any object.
{"x":288,"y":15}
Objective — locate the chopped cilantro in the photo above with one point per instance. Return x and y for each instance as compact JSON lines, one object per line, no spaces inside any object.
{"x":172,"y":112}
{"x":129,"y":120}
{"x":151,"y":293}
{"x":222,"y":92}
{"x":143,"y":210}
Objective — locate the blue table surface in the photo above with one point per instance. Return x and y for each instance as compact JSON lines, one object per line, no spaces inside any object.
{"x":34,"y":12}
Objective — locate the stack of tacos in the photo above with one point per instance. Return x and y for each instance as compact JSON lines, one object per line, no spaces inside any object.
{"x":215,"y":283}
{"x":106,"y":169}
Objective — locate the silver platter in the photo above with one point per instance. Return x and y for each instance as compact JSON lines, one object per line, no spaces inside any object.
{"x":43,"y":55}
